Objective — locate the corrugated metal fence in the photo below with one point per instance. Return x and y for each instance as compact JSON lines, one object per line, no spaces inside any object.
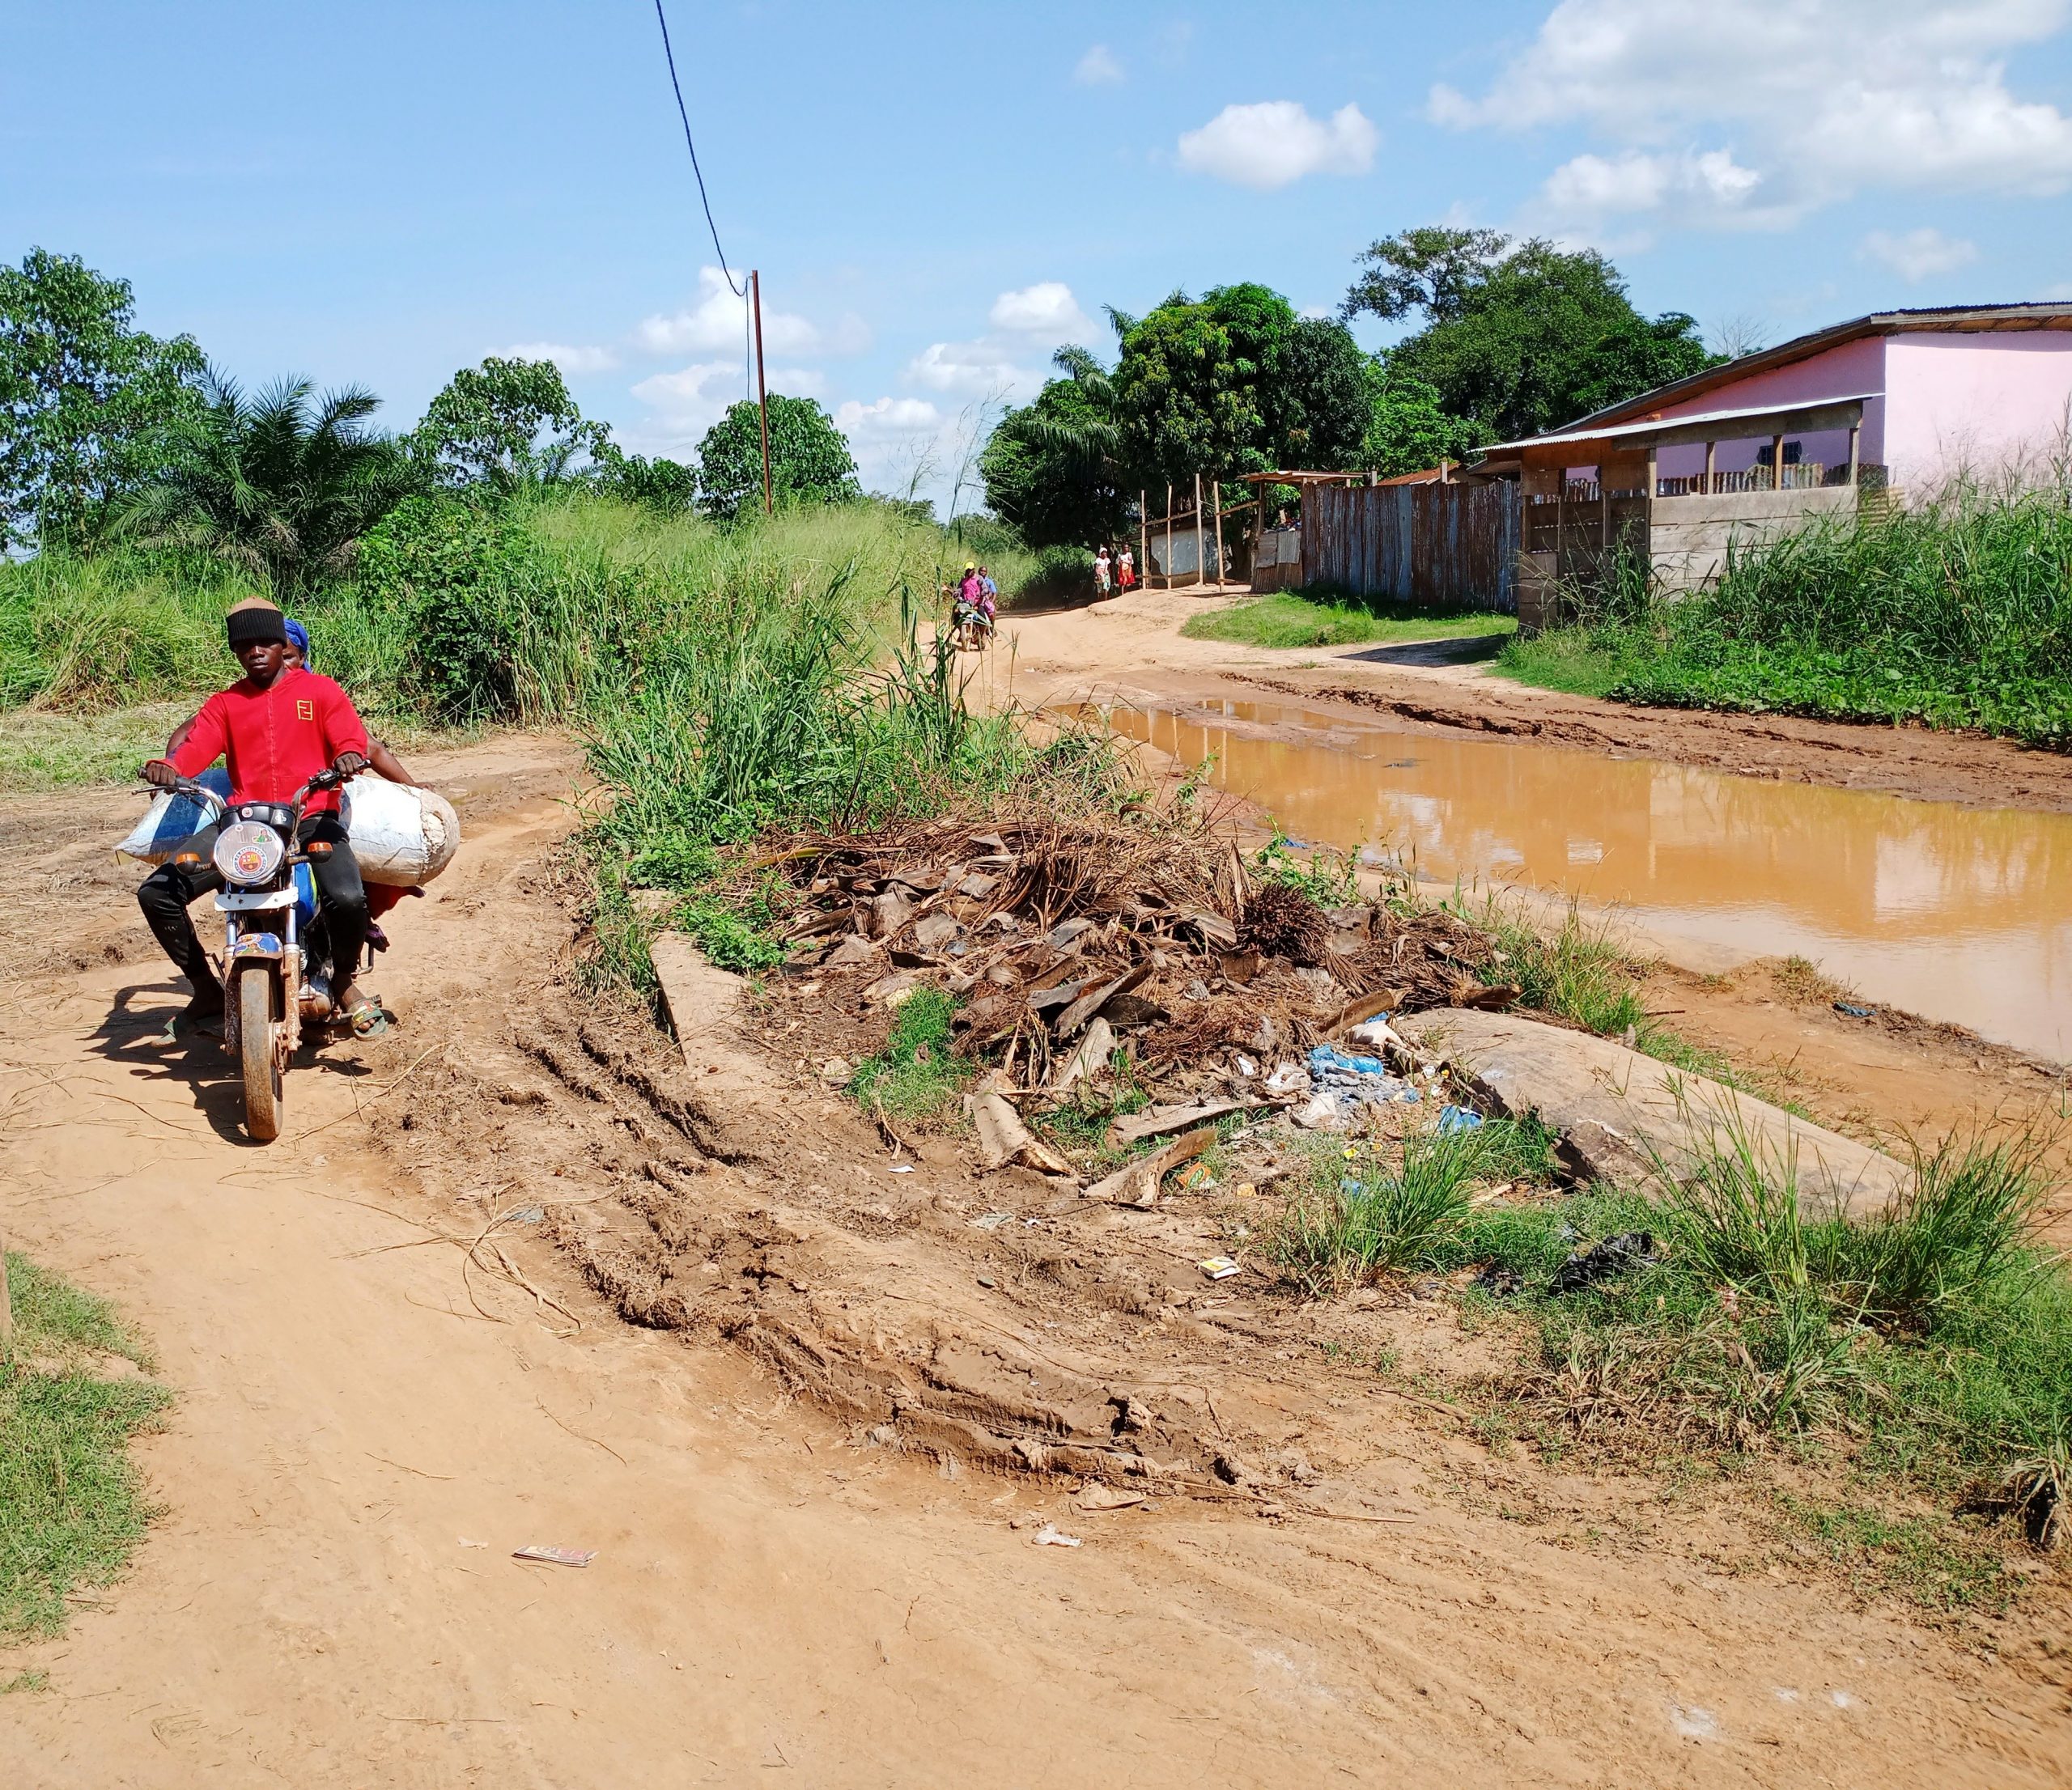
{"x":1451,"y":546}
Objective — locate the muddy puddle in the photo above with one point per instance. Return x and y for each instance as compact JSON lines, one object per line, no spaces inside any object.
{"x":1959,"y":914}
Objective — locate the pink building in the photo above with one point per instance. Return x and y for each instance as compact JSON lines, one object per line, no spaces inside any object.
{"x":1976,"y":387}
{"x":1898,"y":402}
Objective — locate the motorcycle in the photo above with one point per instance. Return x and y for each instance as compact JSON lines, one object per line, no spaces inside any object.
{"x":971,"y":627}
{"x":272,"y":928}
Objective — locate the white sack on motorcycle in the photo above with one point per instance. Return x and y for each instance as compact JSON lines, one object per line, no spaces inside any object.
{"x":401,"y":836}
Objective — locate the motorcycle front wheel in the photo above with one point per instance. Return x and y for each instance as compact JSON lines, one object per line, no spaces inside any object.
{"x":257,"y":1057}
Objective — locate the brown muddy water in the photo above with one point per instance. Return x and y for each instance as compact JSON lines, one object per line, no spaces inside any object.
{"x":1959,"y":914}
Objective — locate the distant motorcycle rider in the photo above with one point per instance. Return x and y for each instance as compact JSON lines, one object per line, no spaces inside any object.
{"x":275,"y":732}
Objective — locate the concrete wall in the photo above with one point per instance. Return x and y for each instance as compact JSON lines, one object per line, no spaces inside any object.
{"x":1983,"y":404}
{"x":1691,"y":535}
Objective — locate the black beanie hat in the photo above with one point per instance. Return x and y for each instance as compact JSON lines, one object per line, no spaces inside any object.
{"x":253,"y":619}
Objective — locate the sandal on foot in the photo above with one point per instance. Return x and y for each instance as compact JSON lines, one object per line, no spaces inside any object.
{"x":370,"y":1018}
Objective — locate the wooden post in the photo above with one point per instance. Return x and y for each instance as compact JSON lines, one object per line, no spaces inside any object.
{"x":1216,"y":492}
{"x":1201,"y":554}
{"x":1560,"y":519}
{"x":1143,"y":539}
{"x":762,"y":390}
{"x":1169,"y":537}
{"x":1776,"y":463}
{"x":1711,"y":476}
{"x":1855,"y":445}
{"x":1647,"y":513}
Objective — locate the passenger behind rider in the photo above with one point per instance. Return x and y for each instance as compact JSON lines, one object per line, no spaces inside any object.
{"x":276,"y":729}
{"x":989,"y":596}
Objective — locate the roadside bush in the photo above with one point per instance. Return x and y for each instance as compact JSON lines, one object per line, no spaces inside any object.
{"x":461,"y":578}
{"x":1932,"y":1340}
{"x":1366,"y":1209}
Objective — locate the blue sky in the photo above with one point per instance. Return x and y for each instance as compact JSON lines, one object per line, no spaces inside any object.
{"x":937,"y":195}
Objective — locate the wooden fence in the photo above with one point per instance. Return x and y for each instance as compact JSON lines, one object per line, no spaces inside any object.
{"x":1448,"y":546}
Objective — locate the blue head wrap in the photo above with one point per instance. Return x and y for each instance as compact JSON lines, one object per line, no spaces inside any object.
{"x":298,"y":637}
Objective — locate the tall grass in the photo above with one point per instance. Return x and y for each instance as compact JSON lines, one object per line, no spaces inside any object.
{"x":536,"y":613}
{"x":1365,"y":1210}
{"x":85,"y":636}
{"x":1956,"y":612}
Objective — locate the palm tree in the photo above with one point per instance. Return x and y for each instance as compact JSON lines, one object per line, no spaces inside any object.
{"x":1088,"y":432}
{"x":284,"y":484}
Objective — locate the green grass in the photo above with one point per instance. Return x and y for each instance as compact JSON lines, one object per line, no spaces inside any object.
{"x":71,"y":1505}
{"x":1928,"y":1347}
{"x":539,"y":614}
{"x":1578,"y":661}
{"x":1935,"y":1562}
{"x":1956,"y":614}
{"x":47,"y":749}
{"x":1366,"y":1207}
{"x":919,"y":1075}
{"x":1284,"y":619}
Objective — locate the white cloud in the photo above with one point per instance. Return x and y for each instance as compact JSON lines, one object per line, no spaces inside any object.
{"x":1589,"y":191}
{"x":1806,"y":104}
{"x":981,"y":369}
{"x":1268,"y":145}
{"x":1046,"y":309}
{"x":887,"y":416}
{"x":1918,"y":254}
{"x":568,"y":360}
{"x":1098,"y":68}
{"x":717,"y":323}
{"x":906,"y":445}
{"x":688,"y":401}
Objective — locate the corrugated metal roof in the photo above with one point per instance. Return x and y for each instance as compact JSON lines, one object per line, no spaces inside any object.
{"x":1700,"y":419}
{"x":2045,"y":314}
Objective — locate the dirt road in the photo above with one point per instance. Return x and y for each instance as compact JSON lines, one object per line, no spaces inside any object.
{"x":364,"y":1433}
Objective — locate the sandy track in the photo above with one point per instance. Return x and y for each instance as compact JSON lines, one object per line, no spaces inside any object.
{"x":768,"y":1595}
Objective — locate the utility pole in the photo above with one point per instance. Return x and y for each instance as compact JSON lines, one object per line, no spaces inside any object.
{"x":762,"y":390}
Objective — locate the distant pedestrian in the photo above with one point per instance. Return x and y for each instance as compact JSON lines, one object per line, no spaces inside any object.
{"x":1103,"y":571}
{"x":1126,"y":570}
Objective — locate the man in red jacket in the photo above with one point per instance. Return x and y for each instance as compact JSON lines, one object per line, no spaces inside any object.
{"x":275,"y":732}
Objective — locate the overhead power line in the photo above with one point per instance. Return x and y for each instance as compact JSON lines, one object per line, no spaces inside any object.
{"x":676,"y":87}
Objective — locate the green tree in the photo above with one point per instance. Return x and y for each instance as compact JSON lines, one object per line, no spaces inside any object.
{"x":668,"y":486}
{"x":1191,"y":386}
{"x":284,"y":484}
{"x":809,"y":459}
{"x":1321,"y":397}
{"x":1519,"y":336}
{"x":87,"y":402}
{"x":1235,"y":382}
{"x":503,"y":426}
{"x":1053,"y":468}
{"x":1408,"y":428}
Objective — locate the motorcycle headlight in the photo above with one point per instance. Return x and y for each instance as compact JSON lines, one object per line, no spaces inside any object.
{"x":248,"y":852}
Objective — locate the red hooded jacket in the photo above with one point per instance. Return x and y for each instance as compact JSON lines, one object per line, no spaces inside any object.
{"x":275,"y":739}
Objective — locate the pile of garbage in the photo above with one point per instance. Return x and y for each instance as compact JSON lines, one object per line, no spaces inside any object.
{"x":1066,"y":941}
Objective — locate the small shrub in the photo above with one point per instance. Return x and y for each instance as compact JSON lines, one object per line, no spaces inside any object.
{"x":1359,"y":1216}
{"x":919,"y":1073}
{"x":463,"y":574}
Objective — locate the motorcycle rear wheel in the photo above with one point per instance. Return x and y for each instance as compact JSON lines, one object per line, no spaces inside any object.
{"x":257,"y":1057}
